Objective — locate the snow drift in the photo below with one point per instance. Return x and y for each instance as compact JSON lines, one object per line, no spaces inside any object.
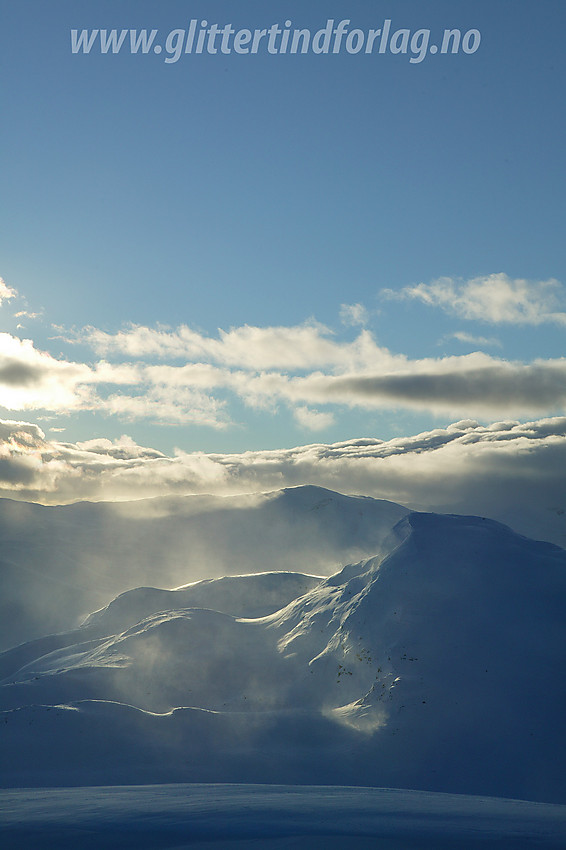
{"x":438,"y":665}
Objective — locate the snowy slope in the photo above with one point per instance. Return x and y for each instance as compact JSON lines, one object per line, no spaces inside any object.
{"x":59,"y":563}
{"x":438,"y":665}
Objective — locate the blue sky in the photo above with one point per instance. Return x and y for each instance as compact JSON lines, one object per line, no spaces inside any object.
{"x":259,"y":195}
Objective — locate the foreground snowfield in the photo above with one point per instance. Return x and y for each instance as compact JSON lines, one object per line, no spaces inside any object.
{"x":217,"y":816}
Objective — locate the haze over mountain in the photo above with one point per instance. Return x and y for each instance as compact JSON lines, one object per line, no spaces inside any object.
{"x":57,"y":564}
{"x":437,"y":664}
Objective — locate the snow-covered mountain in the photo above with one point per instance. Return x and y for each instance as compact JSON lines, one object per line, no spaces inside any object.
{"x":59,"y":563}
{"x":438,"y":664}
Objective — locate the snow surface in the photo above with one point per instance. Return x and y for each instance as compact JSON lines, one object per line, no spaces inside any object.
{"x":272,"y":816}
{"x":438,"y":665}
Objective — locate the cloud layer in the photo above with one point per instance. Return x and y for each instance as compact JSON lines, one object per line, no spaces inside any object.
{"x":509,"y":471}
{"x":183,"y":376}
{"x":302,"y":368}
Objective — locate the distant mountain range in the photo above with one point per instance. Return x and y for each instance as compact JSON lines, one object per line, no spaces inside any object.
{"x":438,"y":663}
{"x":57,"y":564}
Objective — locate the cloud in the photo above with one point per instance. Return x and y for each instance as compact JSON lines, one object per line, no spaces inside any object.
{"x":296,"y":348}
{"x":303,"y":365}
{"x":464,"y":337}
{"x":123,"y":448}
{"x":364,"y":376}
{"x":494,"y":298}
{"x":353,"y":314}
{"x":473,"y":384}
{"x":31,"y":379}
{"x":314,"y":420}
{"x":508,"y":470}
{"x":168,"y":406}
{"x":25,"y":314}
{"x":34,"y":380}
{"x":6,"y":292}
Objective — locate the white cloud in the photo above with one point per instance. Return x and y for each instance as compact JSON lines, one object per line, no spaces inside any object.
{"x":168,"y":406}
{"x":314,"y":420}
{"x":353,"y":314}
{"x":124,"y":448}
{"x":307,"y":346}
{"x":494,"y":298}
{"x":6,"y":292}
{"x":462,"y":336}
